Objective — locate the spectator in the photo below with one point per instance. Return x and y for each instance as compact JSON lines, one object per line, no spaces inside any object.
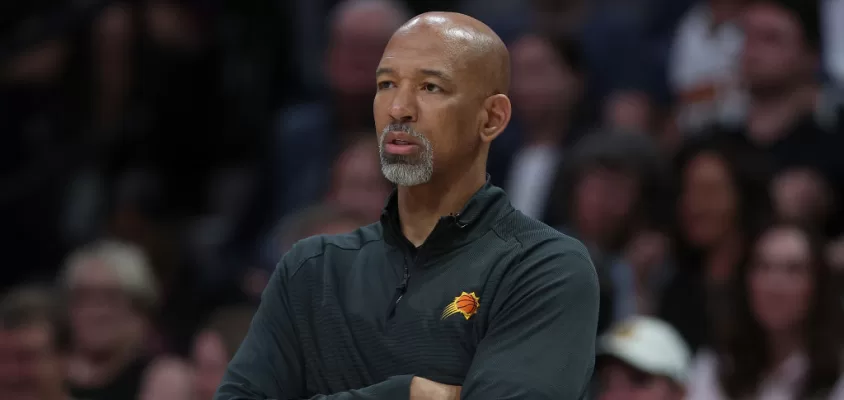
{"x":34,"y":342}
{"x":642,"y":358}
{"x":168,"y":378}
{"x":611,"y":190}
{"x":547,"y":92}
{"x":215,"y":345}
{"x":790,"y":115}
{"x":629,"y":167}
{"x":722,"y":202}
{"x":703,"y":68}
{"x":111,"y":294}
{"x":783,"y":339}
{"x":310,"y":135}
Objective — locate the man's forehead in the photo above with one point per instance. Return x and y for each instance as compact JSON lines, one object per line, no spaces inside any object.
{"x":425,"y":51}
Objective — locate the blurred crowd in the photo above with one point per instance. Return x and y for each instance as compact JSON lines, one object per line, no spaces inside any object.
{"x":157,"y":157}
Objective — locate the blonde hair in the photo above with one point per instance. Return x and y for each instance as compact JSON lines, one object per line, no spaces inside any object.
{"x":127,"y":261}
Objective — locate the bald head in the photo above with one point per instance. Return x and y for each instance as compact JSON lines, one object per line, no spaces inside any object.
{"x":441,"y":87}
{"x":473,"y":45}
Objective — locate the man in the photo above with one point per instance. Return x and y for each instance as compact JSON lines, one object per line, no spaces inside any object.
{"x":112,"y":292}
{"x":642,"y":358}
{"x":34,"y":341}
{"x":547,"y":86}
{"x":453,"y":294}
{"x":790,"y":114}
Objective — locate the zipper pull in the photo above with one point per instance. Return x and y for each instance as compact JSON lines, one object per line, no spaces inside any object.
{"x":404,"y":279}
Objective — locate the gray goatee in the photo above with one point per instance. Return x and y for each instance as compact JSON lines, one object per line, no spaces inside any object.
{"x":406,"y":170}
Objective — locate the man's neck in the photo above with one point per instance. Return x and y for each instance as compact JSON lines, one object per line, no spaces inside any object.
{"x":421,"y":206}
{"x":771,"y":114}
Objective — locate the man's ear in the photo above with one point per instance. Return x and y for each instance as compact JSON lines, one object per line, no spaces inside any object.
{"x":498,"y":112}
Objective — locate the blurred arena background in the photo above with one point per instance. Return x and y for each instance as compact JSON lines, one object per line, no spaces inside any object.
{"x":157,"y":157}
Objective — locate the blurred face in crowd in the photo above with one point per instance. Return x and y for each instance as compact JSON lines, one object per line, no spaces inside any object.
{"x":210,"y":360}
{"x":619,"y":381}
{"x":358,"y":184}
{"x":603,"y":202}
{"x":436,"y":104}
{"x":780,"y":280}
{"x":357,"y":40}
{"x":775,"y":54}
{"x":544,"y":85}
{"x":628,"y":111}
{"x":709,"y":201}
{"x":102,"y":315}
{"x":31,"y":368}
{"x":168,"y":379}
{"x":801,"y":196}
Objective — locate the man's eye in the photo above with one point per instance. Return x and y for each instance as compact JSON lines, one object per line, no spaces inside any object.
{"x":385,"y":85}
{"x":430,"y":87}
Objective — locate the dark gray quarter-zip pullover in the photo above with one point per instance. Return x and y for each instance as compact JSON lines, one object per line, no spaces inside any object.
{"x":494,"y":301}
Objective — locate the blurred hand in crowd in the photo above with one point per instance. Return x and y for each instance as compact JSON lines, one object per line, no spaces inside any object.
{"x":168,"y":379}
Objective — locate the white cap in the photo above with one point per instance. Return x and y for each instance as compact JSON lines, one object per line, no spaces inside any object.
{"x":649,"y":345}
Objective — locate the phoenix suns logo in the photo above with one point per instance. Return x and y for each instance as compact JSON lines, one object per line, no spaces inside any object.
{"x":466,"y":304}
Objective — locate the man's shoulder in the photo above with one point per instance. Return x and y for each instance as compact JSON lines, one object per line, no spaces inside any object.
{"x":548,"y":253}
{"x":533,"y":235}
{"x":316,"y":247}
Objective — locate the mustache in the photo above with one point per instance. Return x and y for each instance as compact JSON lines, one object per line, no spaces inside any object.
{"x":402,"y":128}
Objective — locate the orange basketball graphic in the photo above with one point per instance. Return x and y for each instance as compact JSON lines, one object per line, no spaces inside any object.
{"x":466,"y":304}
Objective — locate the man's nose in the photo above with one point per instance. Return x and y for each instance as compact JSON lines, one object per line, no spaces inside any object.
{"x":403,"y":107}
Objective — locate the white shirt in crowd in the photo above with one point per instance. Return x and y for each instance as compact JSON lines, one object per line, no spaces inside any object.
{"x":782,"y":384}
{"x":703,"y":70}
{"x":833,"y":38}
{"x":531,"y":178}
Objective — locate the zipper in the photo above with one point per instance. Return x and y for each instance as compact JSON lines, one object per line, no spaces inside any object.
{"x":401,"y":289}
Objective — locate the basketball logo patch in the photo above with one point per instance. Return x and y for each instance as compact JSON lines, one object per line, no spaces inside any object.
{"x":466,"y":304}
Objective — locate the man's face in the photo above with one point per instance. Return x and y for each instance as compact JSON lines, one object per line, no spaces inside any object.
{"x":426,"y":108}
{"x":30,"y":368}
{"x":619,"y":381}
{"x":543,"y":84}
{"x":100,"y":311}
{"x":775,"y":52}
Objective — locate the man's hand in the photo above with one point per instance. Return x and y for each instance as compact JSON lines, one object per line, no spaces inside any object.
{"x":424,"y":389}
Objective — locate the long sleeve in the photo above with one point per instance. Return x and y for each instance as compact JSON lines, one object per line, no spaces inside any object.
{"x":540,"y":343}
{"x":269,"y":364}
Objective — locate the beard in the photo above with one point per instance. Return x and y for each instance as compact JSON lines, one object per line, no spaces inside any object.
{"x":411,"y":169}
